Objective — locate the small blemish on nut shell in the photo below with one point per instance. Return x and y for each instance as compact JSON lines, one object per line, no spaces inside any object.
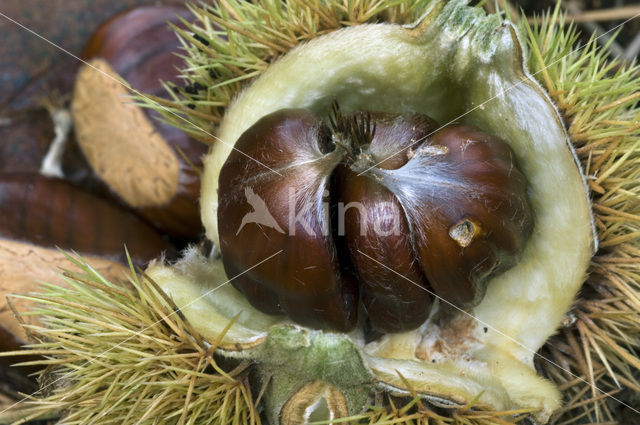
{"x":463,"y":232}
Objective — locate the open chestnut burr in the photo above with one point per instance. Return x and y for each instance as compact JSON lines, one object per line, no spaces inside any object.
{"x":384,"y":208}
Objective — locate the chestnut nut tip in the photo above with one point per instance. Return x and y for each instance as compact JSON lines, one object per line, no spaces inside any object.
{"x":382,"y":208}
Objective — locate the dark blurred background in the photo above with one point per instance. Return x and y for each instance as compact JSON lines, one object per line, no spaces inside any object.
{"x":602,"y":18}
{"x":25,"y":58}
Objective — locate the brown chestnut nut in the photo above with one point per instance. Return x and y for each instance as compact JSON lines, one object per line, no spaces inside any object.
{"x":383,"y":207}
{"x":141,"y":158}
{"x":50,"y":212}
{"x":254,"y":219}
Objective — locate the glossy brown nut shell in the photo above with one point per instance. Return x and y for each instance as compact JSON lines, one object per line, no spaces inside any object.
{"x":395,"y":291}
{"x":396,"y":210}
{"x":141,"y":48}
{"x":392,"y":283}
{"x":53,"y":213}
{"x":254,"y":217}
{"x":465,"y":201}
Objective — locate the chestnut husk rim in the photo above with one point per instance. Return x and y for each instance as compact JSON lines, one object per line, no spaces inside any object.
{"x":496,"y":56}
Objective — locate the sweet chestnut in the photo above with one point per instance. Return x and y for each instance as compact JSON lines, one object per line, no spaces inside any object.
{"x":149,"y":164}
{"x":384,"y":208}
{"x":51,"y":212}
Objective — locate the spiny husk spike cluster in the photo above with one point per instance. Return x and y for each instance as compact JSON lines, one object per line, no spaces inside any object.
{"x":599,"y":100}
{"x":417,"y":413}
{"x":232,"y":42}
{"x":123,"y":354}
